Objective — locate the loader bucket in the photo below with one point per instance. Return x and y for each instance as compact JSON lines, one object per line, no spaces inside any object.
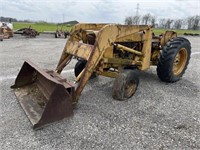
{"x":43,"y":94}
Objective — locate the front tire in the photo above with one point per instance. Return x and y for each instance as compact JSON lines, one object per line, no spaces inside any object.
{"x":80,"y":65}
{"x":174,"y":60}
{"x":125,"y":85}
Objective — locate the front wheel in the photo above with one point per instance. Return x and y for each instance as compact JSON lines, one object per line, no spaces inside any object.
{"x":125,"y":84}
{"x":174,"y":59}
{"x":80,"y":65}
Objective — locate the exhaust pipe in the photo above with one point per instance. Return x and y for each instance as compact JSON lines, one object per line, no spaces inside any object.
{"x":44,"y":95}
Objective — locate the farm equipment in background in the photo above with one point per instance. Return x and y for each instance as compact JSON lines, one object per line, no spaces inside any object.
{"x":6,"y":30}
{"x":111,"y":50}
{"x":1,"y":36}
{"x":27,"y":32}
{"x":60,"y":33}
{"x":191,"y":34}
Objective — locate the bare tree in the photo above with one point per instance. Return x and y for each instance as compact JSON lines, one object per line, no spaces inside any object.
{"x":193,"y":22}
{"x":146,"y":19}
{"x":196,"y":23}
{"x":178,"y":23}
{"x":153,"y":21}
{"x":132,"y":20}
{"x":162,"y":23}
{"x":136,"y":20}
{"x":168,"y":23}
{"x":128,"y":20}
{"x":189,"y":22}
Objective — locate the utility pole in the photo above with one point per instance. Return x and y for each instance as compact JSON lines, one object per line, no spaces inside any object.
{"x":137,"y":9}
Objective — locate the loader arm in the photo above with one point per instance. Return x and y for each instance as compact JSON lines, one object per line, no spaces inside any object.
{"x":74,"y":36}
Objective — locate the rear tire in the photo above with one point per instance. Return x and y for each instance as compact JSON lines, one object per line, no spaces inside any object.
{"x":125,"y":85}
{"x":174,"y":59}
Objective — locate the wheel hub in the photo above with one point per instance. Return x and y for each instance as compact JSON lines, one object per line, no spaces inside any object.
{"x":130,"y":89}
{"x":180,"y":61}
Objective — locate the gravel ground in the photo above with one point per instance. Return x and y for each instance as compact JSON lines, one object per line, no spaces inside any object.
{"x":159,"y":115}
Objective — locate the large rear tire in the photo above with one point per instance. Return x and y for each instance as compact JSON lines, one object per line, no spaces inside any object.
{"x":174,"y":59}
{"x":125,"y":85}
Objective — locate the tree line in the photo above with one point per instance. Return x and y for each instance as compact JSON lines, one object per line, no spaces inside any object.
{"x":192,"y":22}
{"x":9,"y":19}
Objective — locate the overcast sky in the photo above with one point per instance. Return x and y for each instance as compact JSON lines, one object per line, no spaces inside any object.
{"x":107,"y":11}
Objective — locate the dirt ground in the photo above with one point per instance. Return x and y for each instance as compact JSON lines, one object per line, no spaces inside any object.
{"x":159,"y":115}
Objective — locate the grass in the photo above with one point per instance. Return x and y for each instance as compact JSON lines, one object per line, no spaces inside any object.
{"x":158,"y":31}
{"x":41,"y":27}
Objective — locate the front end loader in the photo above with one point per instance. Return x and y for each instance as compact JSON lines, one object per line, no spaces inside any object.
{"x":111,"y":50}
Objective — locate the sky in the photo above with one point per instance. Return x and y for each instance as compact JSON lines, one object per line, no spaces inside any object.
{"x":96,"y":11}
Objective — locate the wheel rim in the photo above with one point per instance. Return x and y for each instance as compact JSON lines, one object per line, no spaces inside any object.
{"x":180,"y":61}
{"x":130,"y":89}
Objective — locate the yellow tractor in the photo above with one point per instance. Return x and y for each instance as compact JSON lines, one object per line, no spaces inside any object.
{"x":111,"y":50}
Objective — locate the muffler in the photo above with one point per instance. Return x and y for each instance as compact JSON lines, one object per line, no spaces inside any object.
{"x":43,"y":94}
